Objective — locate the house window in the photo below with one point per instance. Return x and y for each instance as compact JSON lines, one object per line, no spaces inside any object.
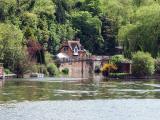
{"x":65,"y":49}
{"x":76,"y":50}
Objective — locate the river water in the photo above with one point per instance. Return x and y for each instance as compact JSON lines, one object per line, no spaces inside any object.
{"x":70,"y":99}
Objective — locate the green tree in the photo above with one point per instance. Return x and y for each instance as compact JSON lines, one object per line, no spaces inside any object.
{"x":92,"y":6}
{"x":89,"y":30}
{"x":10,"y":45}
{"x":56,"y":36}
{"x":143,"y":34}
{"x":109,"y":34}
{"x":10,"y":38}
{"x":60,"y":11}
{"x":7,"y":8}
{"x":46,"y":7}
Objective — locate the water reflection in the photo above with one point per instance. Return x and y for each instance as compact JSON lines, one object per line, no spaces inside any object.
{"x":2,"y":83}
{"x":22,"y":90}
{"x":42,"y":100}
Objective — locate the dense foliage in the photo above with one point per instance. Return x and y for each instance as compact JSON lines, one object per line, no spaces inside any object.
{"x":116,"y":59}
{"x":143,"y":64}
{"x":107,"y":68}
{"x":100,"y":24}
{"x":65,"y":71}
{"x":157,"y":65}
{"x":52,"y":69}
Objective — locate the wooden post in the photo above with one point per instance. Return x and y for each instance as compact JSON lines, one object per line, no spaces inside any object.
{"x":1,"y":71}
{"x":82,"y":70}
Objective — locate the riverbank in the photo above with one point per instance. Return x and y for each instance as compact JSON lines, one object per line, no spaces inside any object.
{"x":126,"y":76}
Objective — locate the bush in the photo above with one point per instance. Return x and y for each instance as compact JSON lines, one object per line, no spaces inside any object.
{"x":48,"y":58}
{"x":34,"y":68}
{"x":7,"y":71}
{"x":108,"y":68}
{"x":116,"y":59}
{"x":97,"y":69}
{"x":43,"y":69}
{"x":52,"y":69}
{"x":157,"y":65}
{"x":65,"y":71}
{"x":118,"y":75}
{"x":143,"y":64}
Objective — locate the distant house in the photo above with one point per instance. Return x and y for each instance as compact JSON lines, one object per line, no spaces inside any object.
{"x":72,"y":48}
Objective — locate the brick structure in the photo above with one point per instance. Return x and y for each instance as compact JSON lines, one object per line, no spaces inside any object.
{"x":77,"y":69}
{"x":73,"y":56}
{"x":73,"y":48}
{"x":125,"y":67}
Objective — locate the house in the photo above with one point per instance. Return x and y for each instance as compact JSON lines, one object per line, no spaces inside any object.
{"x":72,"y":48}
{"x":73,"y":56}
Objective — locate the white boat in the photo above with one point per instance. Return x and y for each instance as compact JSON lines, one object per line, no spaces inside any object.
{"x":37,"y":75}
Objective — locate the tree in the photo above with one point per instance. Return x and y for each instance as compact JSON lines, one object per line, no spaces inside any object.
{"x":36,"y":51}
{"x":10,"y":38}
{"x":56,"y":36}
{"x":7,"y":8}
{"x":109,"y":32}
{"x":89,"y":30}
{"x":92,"y":6}
{"x":143,"y":34}
{"x":11,"y":49}
{"x":46,"y":7}
{"x":60,"y":11}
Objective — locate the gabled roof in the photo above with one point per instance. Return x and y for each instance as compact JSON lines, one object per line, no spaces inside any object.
{"x":73,"y":44}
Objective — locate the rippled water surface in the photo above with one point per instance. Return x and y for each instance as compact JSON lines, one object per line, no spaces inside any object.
{"x":79,"y":100}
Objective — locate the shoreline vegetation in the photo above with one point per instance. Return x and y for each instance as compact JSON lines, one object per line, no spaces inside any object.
{"x":32,"y":32}
{"x":143,"y":65}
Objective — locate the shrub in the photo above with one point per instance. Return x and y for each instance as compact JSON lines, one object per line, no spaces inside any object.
{"x":157,"y":65}
{"x":48,"y":58}
{"x":118,"y":75}
{"x":7,"y":71}
{"x":34,"y":68}
{"x":116,"y":59}
{"x":52,"y":69}
{"x":65,"y":71}
{"x":97,"y":69}
{"x":43,"y":69}
{"x":143,"y":64}
{"x":107,"y":68}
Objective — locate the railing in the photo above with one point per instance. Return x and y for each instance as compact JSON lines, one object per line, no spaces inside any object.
{"x":88,"y":58}
{"x":5,"y":76}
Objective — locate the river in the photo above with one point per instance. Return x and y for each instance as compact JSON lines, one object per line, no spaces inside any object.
{"x":70,"y":99}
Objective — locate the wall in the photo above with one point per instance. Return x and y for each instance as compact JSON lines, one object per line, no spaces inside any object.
{"x":69,"y":52}
{"x":78,"y":69}
{"x":125,"y":68}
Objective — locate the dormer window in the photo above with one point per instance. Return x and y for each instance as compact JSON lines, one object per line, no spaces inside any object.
{"x":75,"y":51}
{"x":65,"y":49}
